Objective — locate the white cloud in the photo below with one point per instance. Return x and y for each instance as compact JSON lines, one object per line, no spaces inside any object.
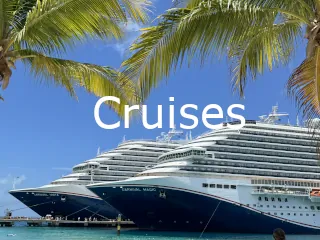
{"x":8,"y":201}
{"x":20,"y":179}
{"x":9,"y":179}
{"x":131,"y":32}
{"x":5,"y":180}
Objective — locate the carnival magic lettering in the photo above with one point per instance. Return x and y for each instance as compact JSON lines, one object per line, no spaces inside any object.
{"x":138,"y":189}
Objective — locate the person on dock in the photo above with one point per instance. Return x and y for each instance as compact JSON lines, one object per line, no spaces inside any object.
{"x":279,"y":234}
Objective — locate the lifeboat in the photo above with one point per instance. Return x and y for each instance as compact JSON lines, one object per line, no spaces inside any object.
{"x":315,"y":195}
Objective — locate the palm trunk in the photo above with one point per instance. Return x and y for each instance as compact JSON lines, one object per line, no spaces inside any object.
{"x":5,"y":72}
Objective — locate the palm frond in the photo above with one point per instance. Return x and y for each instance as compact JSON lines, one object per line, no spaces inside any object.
{"x":101,"y":81}
{"x":267,"y":47}
{"x":304,"y":86}
{"x":8,"y":9}
{"x":301,"y":8}
{"x":203,"y":29}
{"x":183,"y":34}
{"x":52,"y":25}
{"x":23,"y":7}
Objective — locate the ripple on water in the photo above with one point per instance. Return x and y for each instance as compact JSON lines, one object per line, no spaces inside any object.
{"x":46,"y":233}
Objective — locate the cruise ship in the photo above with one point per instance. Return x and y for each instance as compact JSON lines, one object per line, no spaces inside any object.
{"x":68,"y":196}
{"x":264,"y":176}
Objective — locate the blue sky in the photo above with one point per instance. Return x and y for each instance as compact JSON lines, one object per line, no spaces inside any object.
{"x":44,"y":132}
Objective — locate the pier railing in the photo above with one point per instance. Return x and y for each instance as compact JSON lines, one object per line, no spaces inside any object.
{"x":9,"y":222}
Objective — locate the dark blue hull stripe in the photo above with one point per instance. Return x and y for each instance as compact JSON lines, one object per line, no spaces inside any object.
{"x":59,"y":192}
{"x":72,"y":206}
{"x":179,"y":200}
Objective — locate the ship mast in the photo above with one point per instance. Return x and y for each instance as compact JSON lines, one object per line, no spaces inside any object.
{"x":274,"y":116}
{"x":166,"y":137}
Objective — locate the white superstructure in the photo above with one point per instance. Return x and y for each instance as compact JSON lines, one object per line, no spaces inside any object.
{"x":263,"y":176}
{"x":69,"y":197}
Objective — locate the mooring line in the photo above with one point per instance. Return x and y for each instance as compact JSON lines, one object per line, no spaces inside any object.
{"x":30,"y":206}
{"x":96,"y":213}
{"x":78,"y":211}
{"x":209,"y":220}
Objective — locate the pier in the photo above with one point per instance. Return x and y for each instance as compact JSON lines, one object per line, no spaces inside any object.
{"x":10,"y":222}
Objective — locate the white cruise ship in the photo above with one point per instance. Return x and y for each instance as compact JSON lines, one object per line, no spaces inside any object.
{"x":264,"y":176}
{"x":68,"y":196}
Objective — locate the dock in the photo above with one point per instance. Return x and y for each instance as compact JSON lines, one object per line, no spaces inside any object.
{"x":7,"y":222}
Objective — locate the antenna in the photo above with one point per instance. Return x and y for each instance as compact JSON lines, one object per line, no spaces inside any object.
{"x":124,"y":138}
{"x":298,"y":122}
{"x":190,"y":136}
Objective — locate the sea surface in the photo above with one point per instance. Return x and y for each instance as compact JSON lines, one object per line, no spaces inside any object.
{"x":51,"y":233}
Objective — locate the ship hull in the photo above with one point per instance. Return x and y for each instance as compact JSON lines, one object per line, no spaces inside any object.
{"x":60,"y":202}
{"x":165,"y":208}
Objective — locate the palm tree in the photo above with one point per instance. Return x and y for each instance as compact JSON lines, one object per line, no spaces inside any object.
{"x":255,"y":35}
{"x":37,"y":32}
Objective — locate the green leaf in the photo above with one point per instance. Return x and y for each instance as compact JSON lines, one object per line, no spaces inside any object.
{"x":267,"y":47}
{"x":303,"y":86}
{"x":54,"y":25}
{"x":99,"y":80}
{"x":208,"y":29}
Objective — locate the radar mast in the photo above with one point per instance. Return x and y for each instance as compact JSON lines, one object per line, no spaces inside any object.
{"x":274,"y":116}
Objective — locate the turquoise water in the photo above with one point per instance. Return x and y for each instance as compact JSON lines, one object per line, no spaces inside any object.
{"x":47,"y":233}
